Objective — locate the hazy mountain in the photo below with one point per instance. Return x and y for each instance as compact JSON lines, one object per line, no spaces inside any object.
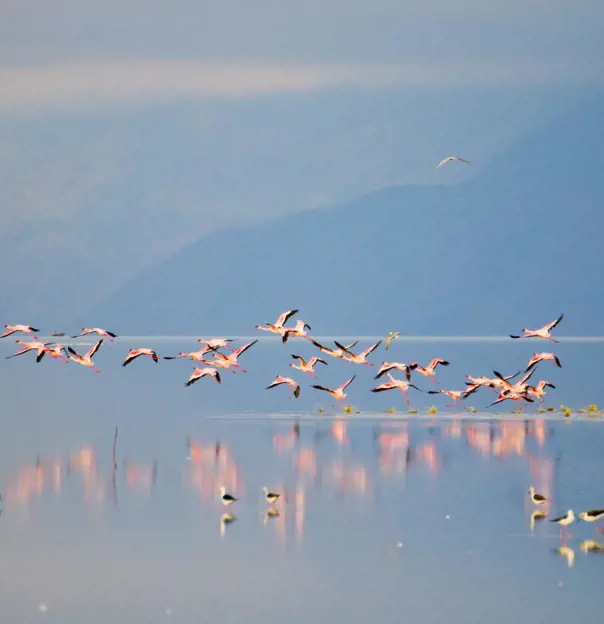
{"x":513,"y":247}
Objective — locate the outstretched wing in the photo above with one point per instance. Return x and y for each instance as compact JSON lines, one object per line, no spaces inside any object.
{"x":283,"y":318}
{"x":553,"y":324}
{"x":94,"y":349}
{"x":347,"y":383}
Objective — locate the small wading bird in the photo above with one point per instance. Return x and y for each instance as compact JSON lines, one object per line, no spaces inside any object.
{"x":396,"y":384}
{"x":545,"y":332}
{"x":227,"y":499}
{"x":85,"y":360}
{"x":538,"y":499}
{"x":338,"y":394}
{"x":593,"y":515}
{"x":27,"y":347}
{"x":198,"y":373}
{"x":564,"y":521}
{"x":226,"y":361}
{"x":307,"y":367}
{"x":278,"y":327}
{"x":361,"y":358}
{"x":448,"y":159}
{"x":286,"y":380}
{"x":97,"y":330}
{"x":388,"y":366}
{"x":390,"y":337}
{"x":25,"y":329}
{"x":457,"y":395}
{"x":270,"y":497}
{"x":134,"y":353}
{"x":429,"y":370}
{"x":336,"y":353}
{"x":542,"y":357}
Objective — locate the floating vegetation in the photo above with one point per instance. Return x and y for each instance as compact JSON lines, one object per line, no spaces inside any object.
{"x":473,"y":410}
{"x":540,"y":410}
{"x":348,"y":409}
{"x":432,"y":409}
{"x":582,"y":411}
{"x":549,"y":408}
{"x":392,"y":410}
{"x":566,"y":411}
{"x":592,"y":408}
{"x":412,"y":410}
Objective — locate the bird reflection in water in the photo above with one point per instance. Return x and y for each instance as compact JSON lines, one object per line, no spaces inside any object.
{"x":592,"y":547}
{"x":536,"y":516}
{"x":225,"y":520}
{"x":140,"y":478}
{"x":568,"y":554}
{"x":394,"y":453}
{"x":283,"y":442}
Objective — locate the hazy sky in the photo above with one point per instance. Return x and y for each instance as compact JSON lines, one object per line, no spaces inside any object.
{"x":130,"y":129}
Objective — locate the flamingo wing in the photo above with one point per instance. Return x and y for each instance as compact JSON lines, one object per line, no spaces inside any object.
{"x":297,"y":357}
{"x":131,"y":357}
{"x":347,"y":383}
{"x":548,"y":327}
{"x":344,"y":349}
{"x":283,"y":318}
{"x":94,"y":349}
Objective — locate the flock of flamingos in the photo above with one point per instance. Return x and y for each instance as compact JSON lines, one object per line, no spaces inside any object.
{"x":225,"y":357}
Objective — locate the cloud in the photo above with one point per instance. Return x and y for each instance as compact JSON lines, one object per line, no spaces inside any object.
{"x":95,"y":85}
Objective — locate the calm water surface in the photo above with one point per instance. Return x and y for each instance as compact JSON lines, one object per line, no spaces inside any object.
{"x":383,"y":517}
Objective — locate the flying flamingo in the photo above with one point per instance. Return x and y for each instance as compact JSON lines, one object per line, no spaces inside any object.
{"x":217,"y":343}
{"x":338,"y":394}
{"x":298,"y":331}
{"x":55,"y":351}
{"x":194,"y":355}
{"x":198,"y":373}
{"x":545,"y":332}
{"x":134,"y":353}
{"x":230,"y":360}
{"x":538,"y":391}
{"x":86,"y":360}
{"x":388,"y":366}
{"x":429,"y":370}
{"x":393,"y":384}
{"x":26,"y":329}
{"x":543,"y":357}
{"x":27,"y":347}
{"x":512,"y":395}
{"x":337,"y":353}
{"x":456,"y":395}
{"x":97,"y":330}
{"x":278,"y":327}
{"x":307,"y":367}
{"x":361,"y":358}
{"x":279,"y":380}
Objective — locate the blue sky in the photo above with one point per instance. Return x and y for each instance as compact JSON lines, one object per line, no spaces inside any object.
{"x":130,"y":130}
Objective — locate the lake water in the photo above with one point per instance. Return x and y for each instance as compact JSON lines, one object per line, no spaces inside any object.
{"x":383,"y":517}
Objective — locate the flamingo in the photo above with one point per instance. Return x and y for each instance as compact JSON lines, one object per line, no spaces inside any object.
{"x":444,"y":161}
{"x":307,"y":367}
{"x":429,"y":370}
{"x":194,"y":355}
{"x":27,"y":347}
{"x":279,"y":380}
{"x":217,"y":343}
{"x":134,"y":353}
{"x":456,"y":395}
{"x":538,"y":391}
{"x":361,"y":358}
{"x":25,"y":329}
{"x":512,"y":395}
{"x":393,"y":384}
{"x":337,"y":353}
{"x":86,"y":360}
{"x":338,"y":394}
{"x":544,"y":332}
{"x":518,"y":387}
{"x":230,"y":360}
{"x":399,"y":366}
{"x":198,"y":373}
{"x":55,"y":351}
{"x":298,"y":331}
{"x":97,"y":330}
{"x":543,"y":357}
{"x":278,"y":327}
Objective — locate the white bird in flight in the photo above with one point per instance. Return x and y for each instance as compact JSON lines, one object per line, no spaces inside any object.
{"x":444,"y":161}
